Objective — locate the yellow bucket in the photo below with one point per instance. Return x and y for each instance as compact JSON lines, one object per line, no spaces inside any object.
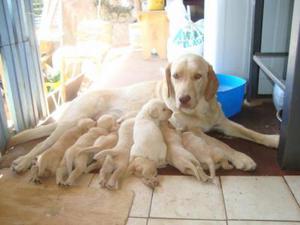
{"x":155,"y":4}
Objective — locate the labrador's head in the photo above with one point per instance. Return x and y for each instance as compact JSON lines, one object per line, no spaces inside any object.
{"x":189,"y":79}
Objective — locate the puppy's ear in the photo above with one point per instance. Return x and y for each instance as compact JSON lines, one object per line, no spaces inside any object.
{"x":154,"y":113}
{"x":131,"y":168}
{"x":212,"y":84}
{"x":168,"y":80}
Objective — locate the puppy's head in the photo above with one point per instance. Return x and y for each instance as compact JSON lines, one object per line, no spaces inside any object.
{"x":189,"y":79}
{"x":157,"y":109}
{"x":107,"y":122}
{"x":186,"y":137}
{"x":86,"y":123}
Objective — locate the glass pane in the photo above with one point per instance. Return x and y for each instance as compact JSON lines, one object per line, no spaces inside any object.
{"x":4,"y":97}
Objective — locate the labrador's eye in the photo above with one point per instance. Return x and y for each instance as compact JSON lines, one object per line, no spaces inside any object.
{"x":197,"y":76}
{"x":176,"y":76}
{"x":164,"y":109}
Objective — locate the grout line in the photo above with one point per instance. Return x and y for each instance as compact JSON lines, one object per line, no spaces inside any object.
{"x":223,"y":198}
{"x":190,"y":219}
{"x":132,"y":202}
{"x":218,"y":220}
{"x":139,"y":217}
{"x":150,"y":206}
{"x":291,"y":191}
{"x":264,"y":220}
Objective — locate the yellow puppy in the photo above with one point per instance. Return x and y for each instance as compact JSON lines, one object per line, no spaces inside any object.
{"x":116,"y":159}
{"x":179,"y":157}
{"x":72,"y":158}
{"x":48,"y":161}
{"x":103,"y":142}
{"x":210,"y":156}
{"x":149,"y":150}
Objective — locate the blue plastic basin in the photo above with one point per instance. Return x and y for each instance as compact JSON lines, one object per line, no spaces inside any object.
{"x":231,"y":93}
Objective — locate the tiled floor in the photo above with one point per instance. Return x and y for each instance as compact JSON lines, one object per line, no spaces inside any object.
{"x":230,"y":200}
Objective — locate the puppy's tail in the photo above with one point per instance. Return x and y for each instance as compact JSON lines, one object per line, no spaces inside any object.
{"x":69,"y":162}
{"x":130,"y":169}
{"x":90,"y":150}
{"x":31,"y":134}
{"x":103,"y":143}
{"x":193,"y":169}
{"x":104,"y":153}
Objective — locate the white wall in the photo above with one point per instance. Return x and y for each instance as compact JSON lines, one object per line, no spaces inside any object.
{"x":227,"y":34}
{"x":275,"y":36}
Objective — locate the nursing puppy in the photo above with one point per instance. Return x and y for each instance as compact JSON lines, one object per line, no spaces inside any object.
{"x":149,"y":150}
{"x":103,"y":142}
{"x":116,"y":159}
{"x":179,"y":157}
{"x":210,"y":156}
{"x":48,"y":162}
{"x":105,"y":124}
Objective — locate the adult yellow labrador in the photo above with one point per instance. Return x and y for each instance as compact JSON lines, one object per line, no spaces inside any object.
{"x":189,"y":90}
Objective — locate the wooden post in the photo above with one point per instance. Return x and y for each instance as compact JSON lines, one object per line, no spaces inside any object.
{"x":155,"y":32}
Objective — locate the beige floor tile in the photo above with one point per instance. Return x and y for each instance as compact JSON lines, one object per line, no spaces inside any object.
{"x":183,"y":222}
{"x":261,"y":223}
{"x":259,"y":198}
{"x":142,"y":195}
{"x":294,"y":184}
{"x":84,"y":180}
{"x":136,"y":221}
{"x":185,"y":197}
{"x":142,"y":198}
{"x":7,"y":174}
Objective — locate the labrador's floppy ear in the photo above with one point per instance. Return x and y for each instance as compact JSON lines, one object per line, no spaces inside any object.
{"x":212,"y":84}
{"x":168,"y":80}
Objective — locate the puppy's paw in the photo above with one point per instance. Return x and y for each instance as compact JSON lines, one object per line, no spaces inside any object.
{"x":34,"y":175}
{"x":60,"y":182}
{"x":226,"y":165}
{"x":203,"y":176}
{"x":102,"y":181}
{"x":112,"y":185}
{"x":68,"y":183}
{"x":35,"y":180}
{"x":151,"y":182}
{"x":242,"y":162}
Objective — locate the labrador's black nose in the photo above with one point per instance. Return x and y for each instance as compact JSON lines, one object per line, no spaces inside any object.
{"x":185,"y":99}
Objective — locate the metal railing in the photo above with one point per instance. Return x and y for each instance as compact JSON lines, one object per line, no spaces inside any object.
{"x":22,"y":70}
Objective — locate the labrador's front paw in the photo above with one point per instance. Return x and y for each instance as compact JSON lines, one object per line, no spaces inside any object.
{"x":272,"y":140}
{"x":21,"y":164}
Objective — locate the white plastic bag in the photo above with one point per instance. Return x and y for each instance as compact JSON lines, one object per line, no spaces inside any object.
{"x":185,"y":35}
